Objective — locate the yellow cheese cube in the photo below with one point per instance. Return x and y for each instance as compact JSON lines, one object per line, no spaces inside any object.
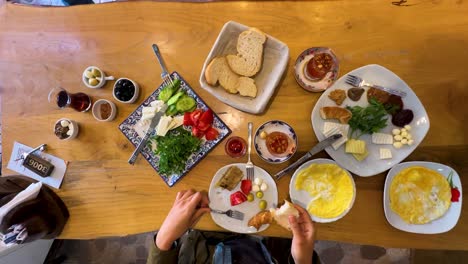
{"x":355,"y":146}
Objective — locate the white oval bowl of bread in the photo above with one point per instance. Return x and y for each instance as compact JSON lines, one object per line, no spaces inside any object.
{"x":244,"y":67}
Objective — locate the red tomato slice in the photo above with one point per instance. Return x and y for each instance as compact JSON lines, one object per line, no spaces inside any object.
{"x":187,"y":119}
{"x":246,"y":186}
{"x":211,"y":134}
{"x":207,"y":117}
{"x":197,"y":132}
{"x":195,"y":116}
{"x":237,"y":198}
{"x":203,"y":126}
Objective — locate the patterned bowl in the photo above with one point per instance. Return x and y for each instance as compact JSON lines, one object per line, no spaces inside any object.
{"x":275,"y":126}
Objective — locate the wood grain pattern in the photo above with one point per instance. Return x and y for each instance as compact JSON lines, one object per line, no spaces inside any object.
{"x":41,"y":48}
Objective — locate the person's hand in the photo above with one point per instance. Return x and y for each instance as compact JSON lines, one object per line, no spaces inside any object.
{"x":302,"y":248}
{"x":188,"y":208}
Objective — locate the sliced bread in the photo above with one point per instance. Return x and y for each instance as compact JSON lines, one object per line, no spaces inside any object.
{"x":249,"y":58}
{"x":247,"y":87}
{"x":218,"y":71}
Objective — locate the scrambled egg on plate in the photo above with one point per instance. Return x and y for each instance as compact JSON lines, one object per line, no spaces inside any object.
{"x":419,"y":195}
{"x":331,"y":189}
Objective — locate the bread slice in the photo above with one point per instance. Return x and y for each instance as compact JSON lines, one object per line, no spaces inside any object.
{"x":249,"y":58}
{"x":281,"y":215}
{"x":218,"y":71}
{"x":335,"y":112}
{"x":247,"y":87}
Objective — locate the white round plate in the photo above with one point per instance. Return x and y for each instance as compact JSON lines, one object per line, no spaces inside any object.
{"x":272,"y":126}
{"x":373,"y":165}
{"x":441,"y":225}
{"x":303,"y":198}
{"x":219,"y":199}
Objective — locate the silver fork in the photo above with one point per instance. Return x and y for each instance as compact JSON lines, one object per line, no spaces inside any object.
{"x":249,"y":166}
{"x":230,"y":213}
{"x":165,"y":76}
{"x":359,"y":82}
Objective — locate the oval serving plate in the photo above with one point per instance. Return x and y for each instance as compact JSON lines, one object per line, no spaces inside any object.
{"x":220,"y":200}
{"x":269,"y":127}
{"x":303,"y":198}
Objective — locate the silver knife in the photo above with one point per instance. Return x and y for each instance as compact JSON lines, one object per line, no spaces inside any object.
{"x":142,"y":144}
{"x":316,"y":149}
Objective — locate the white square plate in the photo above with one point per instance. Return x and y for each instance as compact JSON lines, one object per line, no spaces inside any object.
{"x":372,"y":165}
{"x":275,"y":60}
{"x":441,"y":225}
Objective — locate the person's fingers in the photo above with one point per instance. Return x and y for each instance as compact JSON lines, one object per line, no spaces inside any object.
{"x":295,"y":227}
{"x":187,"y":194}
{"x":205,"y":201}
{"x":198,"y":214}
{"x":303,"y":214}
{"x":195,"y":200}
{"x":180,"y":194}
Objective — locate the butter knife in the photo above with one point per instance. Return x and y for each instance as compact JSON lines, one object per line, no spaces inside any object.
{"x":142,"y":144}
{"x":316,"y":149}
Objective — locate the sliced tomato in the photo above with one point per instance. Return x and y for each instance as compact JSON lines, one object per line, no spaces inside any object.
{"x":207,"y":117}
{"x":195,"y":116}
{"x":197,"y":132}
{"x":246,"y":186}
{"x":211,"y":134}
{"x":203,"y":126}
{"x":237,"y":198}
{"x":187,"y":119}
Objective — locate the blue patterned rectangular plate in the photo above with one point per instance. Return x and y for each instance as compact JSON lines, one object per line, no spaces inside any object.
{"x":127,"y":129}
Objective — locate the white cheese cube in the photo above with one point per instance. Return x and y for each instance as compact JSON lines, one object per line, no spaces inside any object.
{"x":263,"y":187}
{"x":163,"y":126}
{"x":385,"y":153}
{"x":337,"y":144}
{"x":397,"y":145}
{"x":382,"y":139}
{"x":258,"y":181}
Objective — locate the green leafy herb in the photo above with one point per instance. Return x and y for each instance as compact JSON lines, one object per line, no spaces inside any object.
{"x":368,"y":120}
{"x":174,"y":149}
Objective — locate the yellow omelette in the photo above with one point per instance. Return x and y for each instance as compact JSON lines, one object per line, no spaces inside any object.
{"x":419,"y":195}
{"x":330,"y":188}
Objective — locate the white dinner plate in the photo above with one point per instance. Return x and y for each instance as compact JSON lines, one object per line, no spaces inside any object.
{"x":372,"y":165}
{"x":441,"y":225}
{"x":219,"y":199}
{"x":303,"y":198}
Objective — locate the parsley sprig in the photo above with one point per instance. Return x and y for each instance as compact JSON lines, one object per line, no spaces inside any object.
{"x":367,"y":120}
{"x":174,"y":149}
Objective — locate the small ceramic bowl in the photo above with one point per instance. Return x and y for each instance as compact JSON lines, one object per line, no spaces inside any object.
{"x":315,"y":85}
{"x":97,"y":110}
{"x":275,"y":126}
{"x":72,"y":126}
{"x":235,"y":147}
{"x":135,"y":95}
{"x":93,"y":72}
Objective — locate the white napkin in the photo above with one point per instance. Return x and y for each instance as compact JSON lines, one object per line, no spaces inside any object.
{"x":27,"y":194}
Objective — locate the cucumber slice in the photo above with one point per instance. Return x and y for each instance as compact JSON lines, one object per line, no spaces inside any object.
{"x":169,"y":90}
{"x":185,"y":103}
{"x":171,"y":110}
{"x":175,"y":98}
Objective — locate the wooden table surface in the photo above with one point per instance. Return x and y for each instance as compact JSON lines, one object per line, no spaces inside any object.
{"x":40,"y":48}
